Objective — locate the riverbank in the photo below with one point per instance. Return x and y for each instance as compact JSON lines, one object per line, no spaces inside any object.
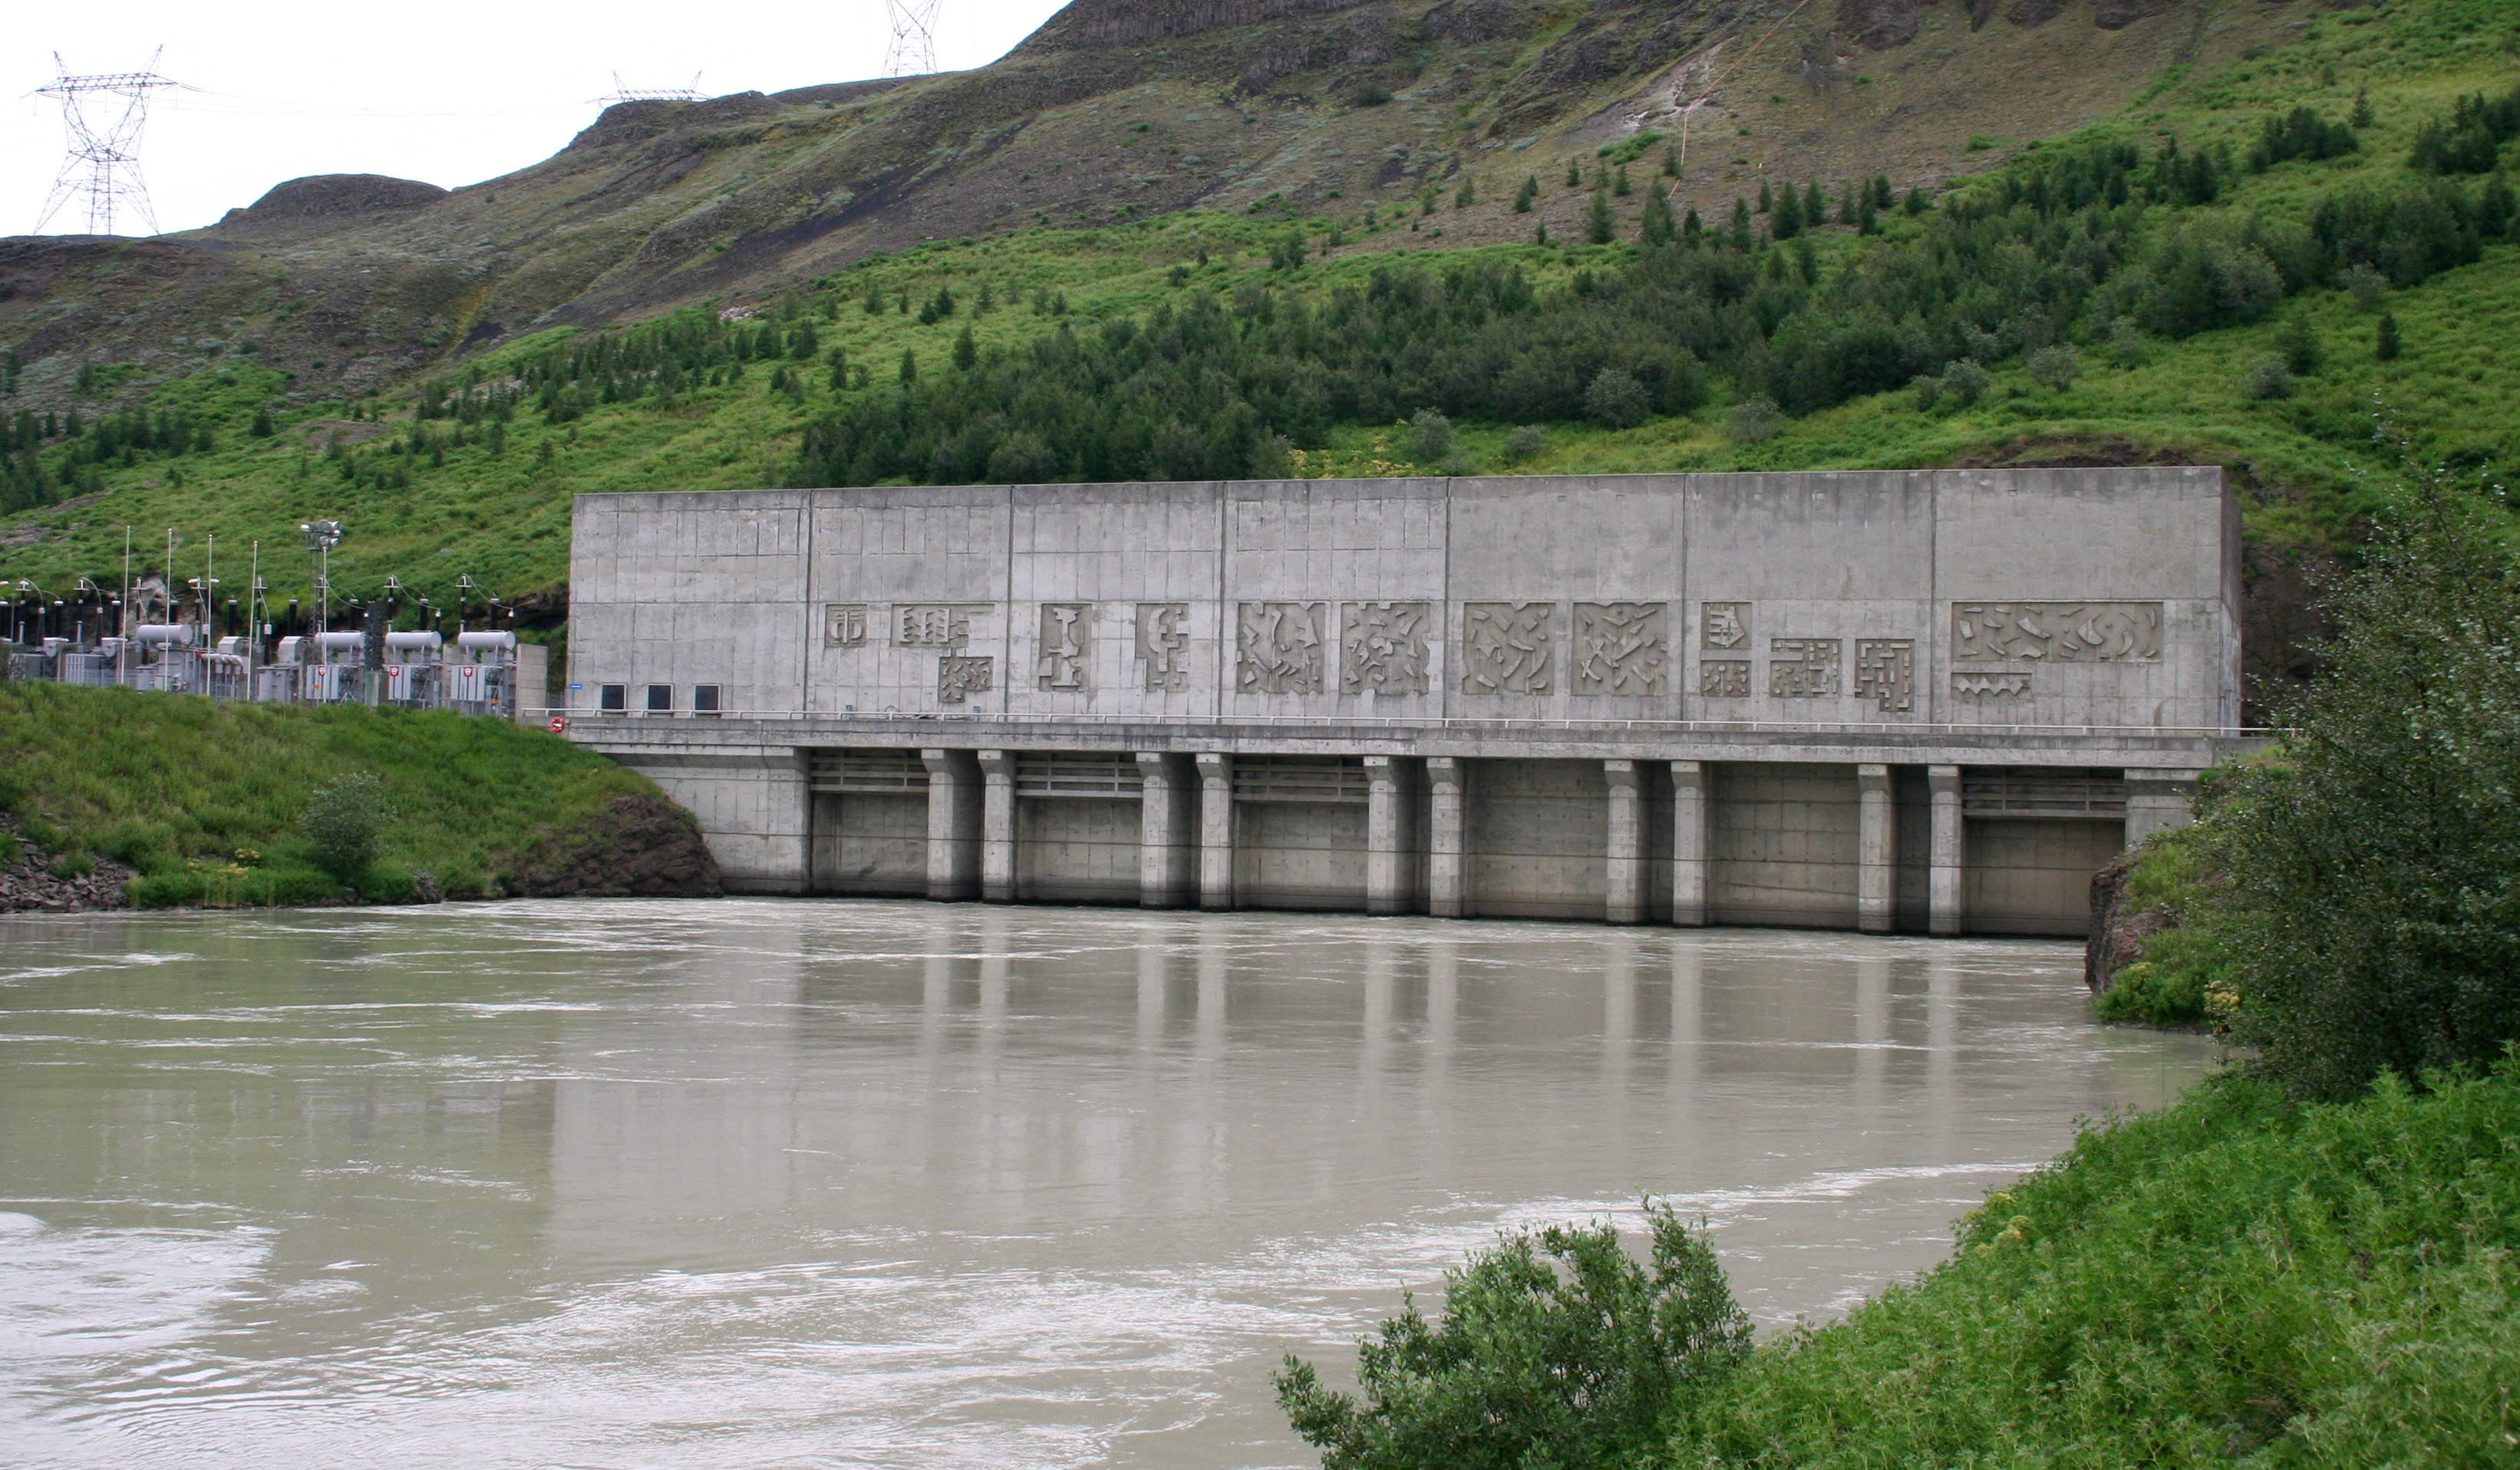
{"x":2237,"y":1277}
{"x":192,"y":801}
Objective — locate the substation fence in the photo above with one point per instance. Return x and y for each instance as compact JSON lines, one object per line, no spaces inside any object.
{"x":477,"y":674}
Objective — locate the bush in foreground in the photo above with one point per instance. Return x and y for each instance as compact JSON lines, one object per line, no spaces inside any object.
{"x":1556,"y":1348}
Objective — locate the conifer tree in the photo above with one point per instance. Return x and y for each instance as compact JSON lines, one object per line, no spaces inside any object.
{"x":1574,"y":175}
{"x":1619,"y":185}
{"x":1787,"y":221}
{"x":873,"y":300}
{"x":1767,"y":199}
{"x":2386,"y":346}
{"x":1671,"y":160}
{"x":1523,"y":196}
{"x":1655,"y":228}
{"x":1815,"y":204}
{"x":909,"y":367}
{"x":1599,"y":226}
{"x":1741,"y":224}
{"x":967,"y":350}
{"x":1467,"y":194}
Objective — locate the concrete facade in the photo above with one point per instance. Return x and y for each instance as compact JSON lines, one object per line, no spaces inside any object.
{"x":1914,"y":700}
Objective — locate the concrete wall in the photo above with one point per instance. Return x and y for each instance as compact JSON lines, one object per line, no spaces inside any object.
{"x":2071,"y":597}
{"x":1824,"y":655}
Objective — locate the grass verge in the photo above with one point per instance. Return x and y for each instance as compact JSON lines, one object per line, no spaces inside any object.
{"x":203,"y":799}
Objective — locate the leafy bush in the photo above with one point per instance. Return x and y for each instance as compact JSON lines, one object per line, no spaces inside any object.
{"x":1966,"y":381}
{"x":2184,"y":975}
{"x":2268,"y":377}
{"x":2053,"y":367}
{"x":2370,"y":880}
{"x":1525,"y":443}
{"x":1430,"y":437}
{"x":1617,"y":399}
{"x":1557,"y":1349}
{"x":1753,"y":420}
{"x":343,"y":819}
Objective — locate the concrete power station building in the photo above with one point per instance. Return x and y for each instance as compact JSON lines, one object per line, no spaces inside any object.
{"x":1932,"y":702}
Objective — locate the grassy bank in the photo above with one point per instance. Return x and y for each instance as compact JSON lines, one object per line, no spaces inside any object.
{"x":2235,"y":1278}
{"x":203,"y":799}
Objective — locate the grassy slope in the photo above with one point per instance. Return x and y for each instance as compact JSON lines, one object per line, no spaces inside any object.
{"x":505,"y":521}
{"x":176,"y":785}
{"x":2231,"y":1279}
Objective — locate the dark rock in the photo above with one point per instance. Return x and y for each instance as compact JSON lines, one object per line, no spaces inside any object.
{"x":2033,"y":12}
{"x":2117,"y":935}
{"x":28,"y":886}
{"x":2117,"y":14}
{"x":1879,"y":25}
{"x":636,"y":845}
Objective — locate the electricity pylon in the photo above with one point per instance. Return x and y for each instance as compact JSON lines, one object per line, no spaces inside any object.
{"x":912,"y":52}
{"x":104,"y":163}
{"x":626,"y":93}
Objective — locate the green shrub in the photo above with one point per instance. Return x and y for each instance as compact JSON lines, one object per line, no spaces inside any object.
{"x":1616,"y":399}
{"x":1430,"y":437}
{"x":1556,"y":1348}
{"x":1753,"y":420}
{"x":2173,"y":985}
{"x":344,"y":819}
{"x":2235,"y":1279}
{"x":2370,"y":885}
{"x":1525,"y":443}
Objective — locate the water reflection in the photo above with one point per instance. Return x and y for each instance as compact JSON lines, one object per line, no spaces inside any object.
{"x":747,"y":1182}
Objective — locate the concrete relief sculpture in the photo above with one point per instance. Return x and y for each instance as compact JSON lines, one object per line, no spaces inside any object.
{"x":844,"y":625}
{"x":1722,"y":625}
{"x":1505,"y":648}
{"x":1991,"y":686}
{"x":930,"y":625}
{"x":1277,"y":649}
{"x":1066,"y":630}
{"x":958,"y":677}
{"x":1803,"y":668}
{"x":1383,"y":647}
{"x":1163,"y":646}
{"x":2056,"y":632}
{"x":1885,"y":673}
{"x":1724,"y":679}
{"x":1619,"y":649}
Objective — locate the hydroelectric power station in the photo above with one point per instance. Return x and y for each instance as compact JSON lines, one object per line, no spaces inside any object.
{"x":1932,"y":700}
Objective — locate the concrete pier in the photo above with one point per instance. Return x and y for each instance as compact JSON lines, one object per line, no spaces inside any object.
{"x":1929,"y":701}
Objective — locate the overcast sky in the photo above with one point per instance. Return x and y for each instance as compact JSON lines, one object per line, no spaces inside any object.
{"x":289,"y":88}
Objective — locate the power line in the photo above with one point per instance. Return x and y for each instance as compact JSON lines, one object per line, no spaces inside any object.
{"x":104,"y":163}
{"x":622,"y":93}
{"x":912,"y":52}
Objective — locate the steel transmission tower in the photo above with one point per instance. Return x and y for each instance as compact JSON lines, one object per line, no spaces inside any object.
{"x":912,"y":52}
{"x":104,"y":163}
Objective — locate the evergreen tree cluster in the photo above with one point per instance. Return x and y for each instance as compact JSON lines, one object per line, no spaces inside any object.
{"x":2471,"y":140}
{"x":82,"y":449}
{"x":2072,"y":246}
{"x":2301,"y":134}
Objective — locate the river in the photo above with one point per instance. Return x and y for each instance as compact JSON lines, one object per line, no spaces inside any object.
{"x":759,"y":1182}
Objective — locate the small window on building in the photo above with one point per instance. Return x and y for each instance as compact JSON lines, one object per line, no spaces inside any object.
{"x":614,"y":697}
{"x":704,"y":699}
{"x":660,"y":698}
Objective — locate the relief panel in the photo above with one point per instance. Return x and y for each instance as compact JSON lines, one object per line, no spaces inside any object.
{"x":1507,"y":647}
{"x":1066,"y":631}
{"x":1724,"y":677}
{"x":1383,"y":647}
{"x":958,"y":677}
{"x":1277,"y":649}
{"x":1163,"y":646}
{"x":930,"y":625}
{"x":1991,"y":686}
{"x":1803,"y":668}
{"x":844,"y":625}
{"x":1885,"y":673}
{"x":1724,"y":625}
{"x":1619,"y":649}
{"x":2056,"y":632}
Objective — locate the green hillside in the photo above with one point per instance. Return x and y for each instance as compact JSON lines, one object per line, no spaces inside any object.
{"x":2221,"y":303}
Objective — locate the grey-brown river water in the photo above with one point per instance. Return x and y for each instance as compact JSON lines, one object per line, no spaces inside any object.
{"x":774,"y":1183}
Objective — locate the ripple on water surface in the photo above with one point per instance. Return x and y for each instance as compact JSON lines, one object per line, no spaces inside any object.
{"x":760,"y":1183}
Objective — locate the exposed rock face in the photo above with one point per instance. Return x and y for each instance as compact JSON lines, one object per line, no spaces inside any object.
{"x":2117,"y":935}
{"x":642,"y":846}
{"x":25,"y":887}
{"x":1879,"y":25}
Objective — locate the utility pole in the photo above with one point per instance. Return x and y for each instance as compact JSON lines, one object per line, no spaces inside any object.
{"x":321,"y":537}
{"x":104,"y":163}
{"x":912,"y":52}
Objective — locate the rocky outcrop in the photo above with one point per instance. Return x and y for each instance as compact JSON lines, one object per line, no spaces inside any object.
{"x":28,"y":886}
{"x":339,"y":196}
{"x":2118,"y":932}
{"x":636,"y":845}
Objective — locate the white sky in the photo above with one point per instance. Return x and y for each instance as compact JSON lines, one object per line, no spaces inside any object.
{"x":451,"y":96}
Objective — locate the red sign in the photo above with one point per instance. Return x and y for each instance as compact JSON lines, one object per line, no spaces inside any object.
{"x":559,"y":724}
